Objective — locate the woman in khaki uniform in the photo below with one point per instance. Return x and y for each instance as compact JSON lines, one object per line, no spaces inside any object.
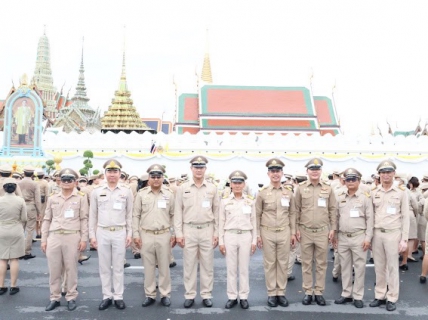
{"x":13,"y":213}
{"x":237,"y":238}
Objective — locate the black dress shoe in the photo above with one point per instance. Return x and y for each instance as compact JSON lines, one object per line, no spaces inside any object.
{"x":105,"y":304}
{"x":28,"y":256}
{"x":119,"y":304}
{"x":422,"y":279}
{"x":231,"y":303}
{"x":137,"y":256}
{"x":92,"y":249}
{"x":188,"y":303}
{"x":244,"y":303}
{"x":8,"y":266}
{"x":404,"y":267}
{"x":358,"y":303}
{"x":377,"y":302}
{"x":71,"y":305}
{"x":390,"y":306}
{"x":63,"y":293}
{"x":291,"y":278}
{"x":371,"y":260}
{"x":3,"y":290}
{"x":335,"y":279}
{"x":38,"y":236}
{"x":126,"y":265}
{"x":84,"y":259}
{"x":272,"y":301}
{"x":282,"y":301}
{"x":172,"y":264}
{"x":166,"y":302}
{"x":297,"y":262}
{"x":34,"y":240}
{"x":307,"y":300}
{"x":343,"y":300}
{"x":13,"y":290}
{"x":148,"y":302}
{"x":52,"y":305}
{"x":320,"y":300}
{"x":207,"y":303}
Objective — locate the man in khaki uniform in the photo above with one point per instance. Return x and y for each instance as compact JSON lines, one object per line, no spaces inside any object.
{"x":6,"y":172}
{"x":237,"y":238}
{"x":276,"y":229}
{"x":316,"y":214}
{"x":110,"y":232}
{"x":64,"y":236}
{"x":196,"y":229}
{"x":152,"y":220}
{"x":44,"y":193}
{"x":31,"y":194}
{"x":355,"y":231}
{"x":391,"y":232}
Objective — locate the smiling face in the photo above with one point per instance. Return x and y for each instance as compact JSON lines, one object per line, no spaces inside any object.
{"x":198,"y":172}
{"x":112,"y":175}
{"x":275,"y":175}
{"x":314,"y":174}
{"x":352,"y":183}
{"x":387,"y":177}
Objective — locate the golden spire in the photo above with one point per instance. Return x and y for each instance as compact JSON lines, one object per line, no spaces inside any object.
{"x":206,"y":68}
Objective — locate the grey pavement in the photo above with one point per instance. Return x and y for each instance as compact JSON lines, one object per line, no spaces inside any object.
{"x":30,"y":302}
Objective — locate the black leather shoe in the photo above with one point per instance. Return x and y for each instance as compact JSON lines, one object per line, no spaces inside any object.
{"x":137,"y":256}
{"x":126,"y":265}
{"x":343,"y":300}
{"x":13,"y":290}
{"x":422,"y":279}
{"x":28,"y":256}
{"x":231,"y":303}
{"x":282,"y":301}
{"x":148,"y":302}
{"x":105,"y":304}
{"x":377,"y":302}
{"x":358,"y":303}
{"x":335,"y":279}
{"x":390,"y":306}
{"x":272,"y":301}
{"x":166,"y":302}
{"x":8,"y":266}
{"x":307,"y":300}
{"x":71,"y":305}
{"x":404,"y":267}
{"x":52,"y":305}
{"x":297,"y":262}
{"x":172,"y":264}
{"x":291,"y":278}
{"x":320,"y":300}
{"x":119,"y":304}
{"x":63,"y":293}
{"x":92,"y":249}
{"x":3,"y":290}
{"x":84,"y":259}
{"x":188,"y":303}
{"x":244,"y":303}
{"x":207,"y":303}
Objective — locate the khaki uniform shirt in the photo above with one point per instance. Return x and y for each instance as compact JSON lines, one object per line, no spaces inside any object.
{"x":110,"y":208}
{"x":2,"y":192}
{"x":237,"y":214}
{"x":275,"y":208}
{"x":152,"y":211}
{"x":315,"y":205}
{"x":196,"y":205}
{"x":69,"y":213}
{"x":31,"y":193}
{"x":134,"y":185}
{"x":355,"y":213}
{"x":44,"y":189}
{"x":54,"y":188}
{"x":391,"y":209}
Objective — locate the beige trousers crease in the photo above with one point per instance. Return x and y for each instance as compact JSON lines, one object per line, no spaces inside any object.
{"x":198,"y":246}
{"x":29,"y":227}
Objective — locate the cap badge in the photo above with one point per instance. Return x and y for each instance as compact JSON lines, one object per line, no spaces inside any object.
{"x":273,"y":162}
{"x":316,"y":162}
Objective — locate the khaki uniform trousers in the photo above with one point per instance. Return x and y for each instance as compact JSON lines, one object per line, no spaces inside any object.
{"x":111,"y":253}
{"x":385,"y":255}
{"x":336,"y":265}
{"x":351,"y":252}
{"x":293,"y":257}
{"x":155,"y":250}
{"x":30,"y":226}
{"x":276,"y":249}
{"x":314,"y":246}
{"x":238,"y":251}
{"x":198,"y":246}
{"x":62,"y":253}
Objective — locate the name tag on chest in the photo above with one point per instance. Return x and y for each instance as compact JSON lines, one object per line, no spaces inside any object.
{"x":354,"y":213}
{"x":391,"y":210}
{"x":322,"y":202}
{"x":246,"y":209}
{"x":206,"y":204}
{"x":69,"y":213}
{"x":117,"y":205}
{"x":285,"y":202}
{"x":161,"y":204}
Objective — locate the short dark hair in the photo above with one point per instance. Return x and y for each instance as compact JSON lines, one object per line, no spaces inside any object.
{"x":414,"y":181}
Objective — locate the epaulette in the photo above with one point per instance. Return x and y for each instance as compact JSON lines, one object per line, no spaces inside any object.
{"x":125,"y":185}
{"x":145,"y":188}
{"x":226,"y":196}
{"x":288,"y":187}
{"x":326,"y":182}
{"x":81,"y":193}
{"x":51,"y":194}
{"x":367,"y":194}
{"x":402,"y":187}
{"x":167,"y":188}
{"x":264,"y":187}
{"x":302,"y":183}
{"x":249,"y":196}
{"x":97,"y":186}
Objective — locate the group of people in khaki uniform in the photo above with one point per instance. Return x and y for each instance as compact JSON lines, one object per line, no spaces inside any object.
{"x":114,"y":216}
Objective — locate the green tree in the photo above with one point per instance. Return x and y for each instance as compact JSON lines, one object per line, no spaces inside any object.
{"x":50,"y":166}
{"x":86,"y":170}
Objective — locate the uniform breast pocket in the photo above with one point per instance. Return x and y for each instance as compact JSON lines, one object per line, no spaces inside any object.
{"x":145,"y":205}
{"x":377,"y":202}
{"x":188,"y":199}
{"x":269,"y":205}
{"x":307,"y":200}
{"x":102,"y":202}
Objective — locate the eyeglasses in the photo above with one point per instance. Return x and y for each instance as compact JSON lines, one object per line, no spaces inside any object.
{"x":67,"y":180}
{"x":351,"y":179}
{"x":156,"y":177}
